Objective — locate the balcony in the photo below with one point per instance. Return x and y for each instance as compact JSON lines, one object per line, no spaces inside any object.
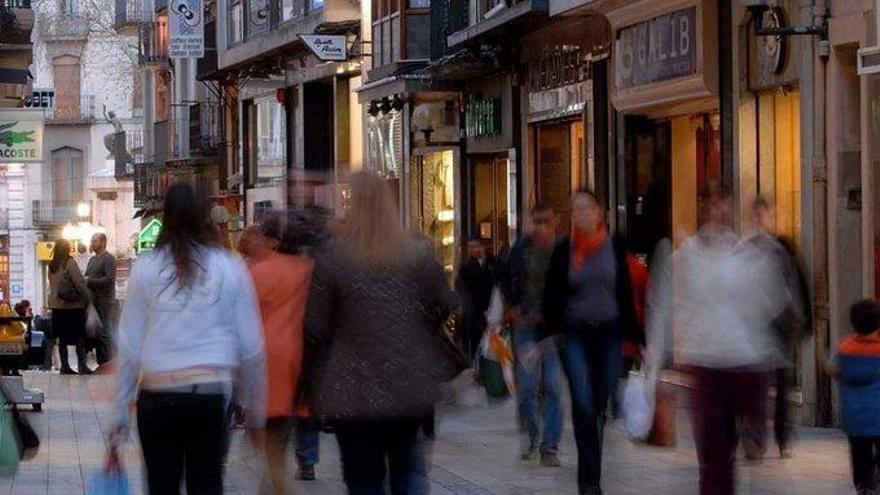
{"x":55,"y":213}
{"x":206,"y":67}
{"x":146,"y":185}
{"x":205,"y":133}
{"x":12,"y":95}
{"x":16,"y":22}
{"x":4,"y":219}
{"x":129,"y":15}
{"x":72,"y":110}
{"x":63,"y":27}
{"x":490,"y":18}
{"x":153,"y":42}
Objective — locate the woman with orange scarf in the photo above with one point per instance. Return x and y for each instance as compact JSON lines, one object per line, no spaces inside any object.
{"x":589,"y":304}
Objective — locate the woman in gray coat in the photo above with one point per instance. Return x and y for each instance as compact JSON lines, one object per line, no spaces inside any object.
{"x":374,"y":357}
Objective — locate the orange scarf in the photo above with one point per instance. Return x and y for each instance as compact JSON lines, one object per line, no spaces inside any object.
{"x":586,"y":245}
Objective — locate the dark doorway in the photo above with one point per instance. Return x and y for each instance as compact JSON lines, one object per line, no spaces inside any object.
{"x":648,"y":183}
{"x":318,"y":129}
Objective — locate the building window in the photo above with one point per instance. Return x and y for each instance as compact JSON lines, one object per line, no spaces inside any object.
{"x":236,"y":22}
{"x":258,"y":17}
{"x":68,"y":175}
{"x":270,"y":135}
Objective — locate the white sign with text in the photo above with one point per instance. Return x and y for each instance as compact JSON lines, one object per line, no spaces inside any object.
{"x":186,"y":32}
{"x":327,"y":47}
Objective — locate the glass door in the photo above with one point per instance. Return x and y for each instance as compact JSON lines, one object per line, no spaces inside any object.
{"x":490,"y":179}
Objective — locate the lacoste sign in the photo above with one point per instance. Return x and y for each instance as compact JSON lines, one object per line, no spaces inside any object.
{"x":21,"y":135}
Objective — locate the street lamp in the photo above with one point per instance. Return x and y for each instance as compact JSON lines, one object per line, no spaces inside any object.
{"x":83,"y":210}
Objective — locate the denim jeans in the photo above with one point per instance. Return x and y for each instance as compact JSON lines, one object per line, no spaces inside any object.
{"x":592,"y":364}
{"x":539,"y":387}
{"x":376,"y":450}
{"x":307,"y":443}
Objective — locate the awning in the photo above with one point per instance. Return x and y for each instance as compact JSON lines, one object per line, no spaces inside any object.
{"x":13,"y":76}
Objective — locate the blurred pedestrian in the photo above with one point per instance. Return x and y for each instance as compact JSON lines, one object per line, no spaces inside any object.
{"x":589,"y":302}
{"x":790,"y":326}
{"x":726,"y":296}
{"x":281,"y":278}
{"x":538,"y":375}
{"x":101,"y":279}
{"x":475,"y":281}
{"x":374,"y":359}
{"x":68,"y":298}
{"x":190,"y":321}
{"x":858,"y":369}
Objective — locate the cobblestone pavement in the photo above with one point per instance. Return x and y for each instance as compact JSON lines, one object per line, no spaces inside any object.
{"x":476,"y":453}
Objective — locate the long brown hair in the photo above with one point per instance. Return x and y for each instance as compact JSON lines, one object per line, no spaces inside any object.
{"x":186,"y":226}
{"x":60,"y":255}
{"x":372,"y":227}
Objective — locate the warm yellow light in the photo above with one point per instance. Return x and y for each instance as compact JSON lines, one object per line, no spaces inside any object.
{"x":446,"y":215}
{"x":83,"y":210}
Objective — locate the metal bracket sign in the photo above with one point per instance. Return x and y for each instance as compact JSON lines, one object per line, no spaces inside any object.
{"x":148,"y":236}
{"x":187,"y":29}
{"x":327,"y":47}
{"x":21,"y":135}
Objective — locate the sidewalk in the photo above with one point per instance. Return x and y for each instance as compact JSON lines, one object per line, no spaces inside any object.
{"x":476,"y":453}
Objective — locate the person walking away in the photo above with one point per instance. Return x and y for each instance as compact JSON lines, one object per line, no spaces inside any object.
{"x":858,"y":370}
{"x":374,"y":358}
{"x":68,"y":298}
{"x":726,"y":296}
{"x":790,"y":327}
{"x":589,"y":303}
{"x":539,"y":380}
{"x":474,"y":284}
{"x":281,"y":279}
{"x":101,"y":280}
{"x":189,"y":323}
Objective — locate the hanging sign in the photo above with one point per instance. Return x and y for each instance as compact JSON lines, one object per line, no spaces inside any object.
{"x":327,"y":47}
{"x":21,"y":135}
{"x":186,"y":32}
{"x":148,"y":236}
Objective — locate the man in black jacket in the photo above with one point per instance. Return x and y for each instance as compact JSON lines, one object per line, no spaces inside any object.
{"x":474,"y":284}
{"x":101,"y":280}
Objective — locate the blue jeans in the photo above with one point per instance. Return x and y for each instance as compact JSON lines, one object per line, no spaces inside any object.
{"x":592,"y":364}
{"x":539,"y":387}
{"x":307,"y":443}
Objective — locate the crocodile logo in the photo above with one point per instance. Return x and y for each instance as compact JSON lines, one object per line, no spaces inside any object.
{"x":11,"y":138}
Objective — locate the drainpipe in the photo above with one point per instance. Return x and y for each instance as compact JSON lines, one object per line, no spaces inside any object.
{"x":820,"y":222}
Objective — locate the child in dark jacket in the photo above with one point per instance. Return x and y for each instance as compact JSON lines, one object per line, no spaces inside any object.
{"x":858,"y":369}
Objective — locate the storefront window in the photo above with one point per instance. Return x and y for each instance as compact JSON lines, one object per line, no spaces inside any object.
{"x":561,"y":168}
{"x":270,"y":139}
{"x":434,"y":208}
{"x":874,"y":150}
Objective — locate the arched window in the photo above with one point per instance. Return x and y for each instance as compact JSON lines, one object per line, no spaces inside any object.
{"x":68,"y":174}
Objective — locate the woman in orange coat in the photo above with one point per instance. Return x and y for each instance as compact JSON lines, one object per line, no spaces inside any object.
{"x":282,"y":277}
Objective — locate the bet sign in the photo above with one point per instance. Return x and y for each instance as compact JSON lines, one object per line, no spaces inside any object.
{"x":41,"y":98}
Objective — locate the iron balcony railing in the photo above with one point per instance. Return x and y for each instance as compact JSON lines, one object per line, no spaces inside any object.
{"x":146,"y":184}
{"x":72,"y":109}
{"x":128,"y":150}
{"x":64,"y":27}
{"x":153,"y":42}
{"x":130,"y":13}
{"x":205,"y":132}
{"x":52,"y":212}
{"x":4,"y":218}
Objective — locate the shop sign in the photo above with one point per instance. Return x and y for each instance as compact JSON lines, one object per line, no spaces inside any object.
{"x":769,"y":56}
{"x":656,"y":50}
{"x":483,"y":117}
{"x":21,"y":135}
{"x":149,"y":235}
{"x":327,"y":47}
{"x":559,"y":66}
{"x":40,"y":98}
{"x":186,"y":30}
{"x":559,"y":102}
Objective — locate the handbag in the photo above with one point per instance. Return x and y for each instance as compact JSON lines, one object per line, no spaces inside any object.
{"x":638,"y":408}
{"x":111,"y":480}
{"x":67,"y":291}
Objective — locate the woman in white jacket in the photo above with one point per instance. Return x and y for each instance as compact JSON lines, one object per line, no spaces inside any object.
{"x":189,"y":325}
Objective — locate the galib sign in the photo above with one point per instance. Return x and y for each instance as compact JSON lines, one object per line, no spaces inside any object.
{"x":21,"y":135}
{"x":327,"y":47}
{"x":186,"y":33}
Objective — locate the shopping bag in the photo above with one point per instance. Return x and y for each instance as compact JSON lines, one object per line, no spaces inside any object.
{"x":663,"y":429}
{"x":10,"y":443}
{"x":638,"y":408}
{"x":111,"y":480}
{"x":93,"y":322}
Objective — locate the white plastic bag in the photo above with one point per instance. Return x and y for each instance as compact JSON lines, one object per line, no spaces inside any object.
{"x":638,"y":407}
{"x":93,"y":322}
